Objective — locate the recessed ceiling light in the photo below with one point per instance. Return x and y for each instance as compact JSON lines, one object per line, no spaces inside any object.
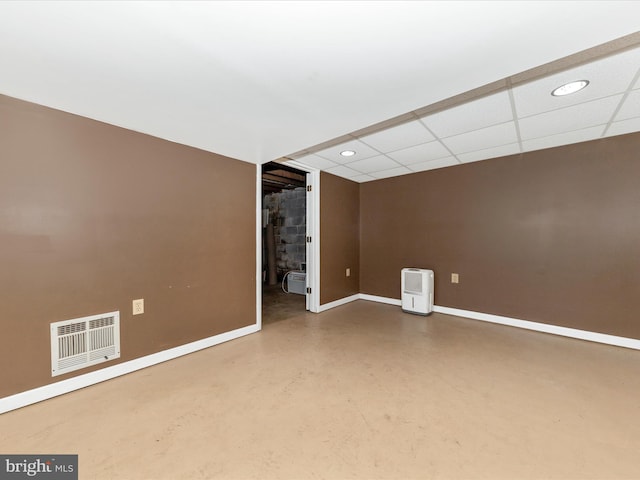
{"x":347,"y":153}
{"x":569,"y":88}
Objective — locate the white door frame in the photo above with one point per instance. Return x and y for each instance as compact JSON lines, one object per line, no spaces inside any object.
{"x":259,"y":246}
{"x":313,"y":231}
{"x":313,"y":247}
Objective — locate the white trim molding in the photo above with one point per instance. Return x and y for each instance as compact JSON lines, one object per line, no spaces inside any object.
{"x":543,"y":327}
{"x":337,"y":303}
{"x":313,"y":230}
{"x":46,"y":392}
{"x":374,"y":298}
{"x":259,"y":246}
{"x":526,"y":324}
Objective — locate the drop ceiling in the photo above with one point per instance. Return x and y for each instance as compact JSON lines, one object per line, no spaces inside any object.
{"x":516,"y":119}
{"x":409,"y":86}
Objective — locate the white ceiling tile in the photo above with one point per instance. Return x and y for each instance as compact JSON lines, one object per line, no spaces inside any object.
{"x":609,"y":76}
{"x":395,"y":138}
{"x":394,"y":172}
{"x":433,"y":164}
{"x":583,"y":135}
{"x":502,"y":134}
{"x":495,"y":152}
{"x":342,"y":171}
{"x":630,"y":107}
{"x":362,"y":178}
{"x":481,"y":113}
{"x":420,"y":153}
{"x":625,"y":126}
{"x":576,"y":117}
{"x":362,"y":151}
{"x":373,"y":164}
{"x":318,"y":71}
{"x":316,"y":162}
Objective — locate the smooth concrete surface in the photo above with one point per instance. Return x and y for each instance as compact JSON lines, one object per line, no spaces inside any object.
{"x":362,"y":391}
{"x":278,"y":305}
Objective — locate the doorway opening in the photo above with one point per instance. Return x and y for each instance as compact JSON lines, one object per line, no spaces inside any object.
{"x":284,"y":242}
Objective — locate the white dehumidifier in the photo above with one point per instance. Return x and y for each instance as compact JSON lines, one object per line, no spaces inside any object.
{"x":417,"y":291}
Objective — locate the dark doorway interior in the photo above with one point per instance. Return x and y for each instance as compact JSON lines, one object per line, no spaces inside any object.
{"x":283,"y":241}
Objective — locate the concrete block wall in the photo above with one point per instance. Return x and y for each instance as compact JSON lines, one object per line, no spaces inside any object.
{"x":288,"y":214}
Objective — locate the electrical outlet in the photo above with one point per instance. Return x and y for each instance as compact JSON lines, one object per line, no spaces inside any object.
{"x":348,"y":272}
{"x":455,"y":278}
{"x":138,"y":306}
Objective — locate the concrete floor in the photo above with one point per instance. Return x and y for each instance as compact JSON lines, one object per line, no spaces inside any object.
{"x":278,"y":305}
{"x":362,"y":391}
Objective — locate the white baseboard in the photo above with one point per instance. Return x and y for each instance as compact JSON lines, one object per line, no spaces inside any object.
{"x":374,"y":298}
{"x":65,"y":386}
{"x":337,"y":303}
{"x":514,"y":322}
{"x":544,"y":327}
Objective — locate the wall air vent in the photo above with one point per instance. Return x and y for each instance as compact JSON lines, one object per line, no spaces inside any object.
{"x":82,"y":342}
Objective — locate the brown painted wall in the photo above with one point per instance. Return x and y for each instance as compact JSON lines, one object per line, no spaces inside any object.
{"x":551,"y":236}
{"x":93,"y":216}
{"x":339,"y":238}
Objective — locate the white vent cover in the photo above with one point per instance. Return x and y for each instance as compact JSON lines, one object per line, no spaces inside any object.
{"x":413,"y":281}
{"x":82,"y":342}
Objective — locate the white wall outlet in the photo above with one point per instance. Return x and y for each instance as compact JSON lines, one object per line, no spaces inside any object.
{"x":348,"y":272}
{"x":138,"y":306}
{"x":455,"y":278}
